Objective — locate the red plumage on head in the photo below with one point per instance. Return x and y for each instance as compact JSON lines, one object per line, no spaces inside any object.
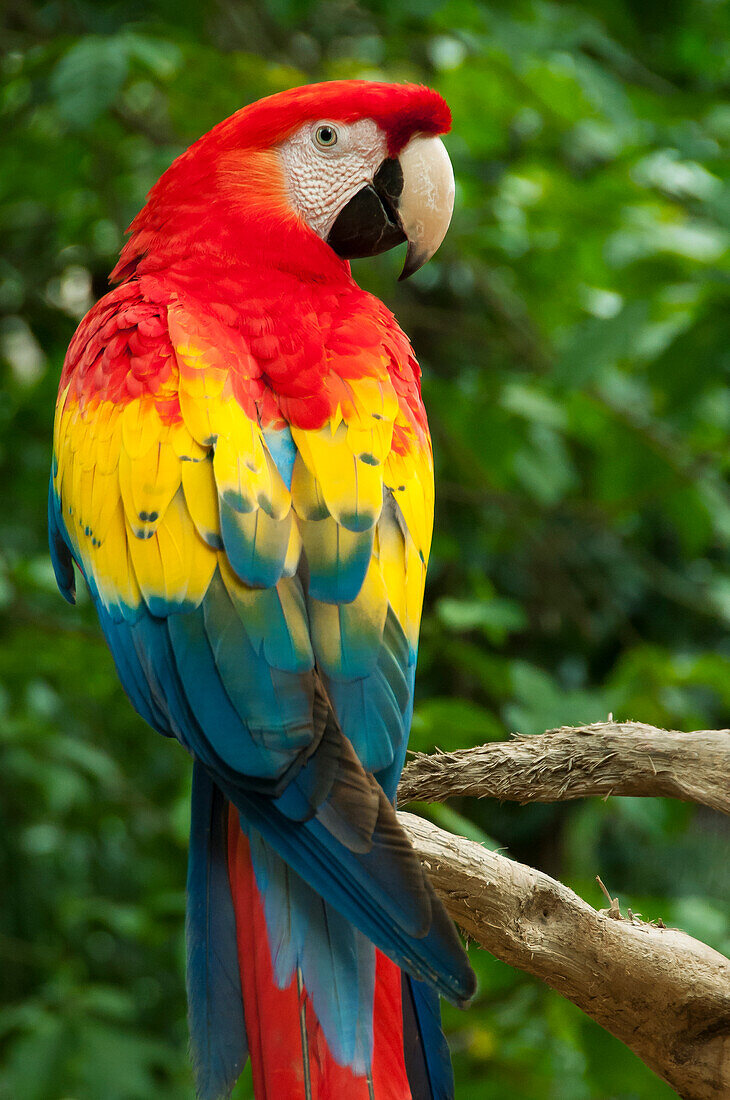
{"x":400,"y":110}
{"x":227,"y":187}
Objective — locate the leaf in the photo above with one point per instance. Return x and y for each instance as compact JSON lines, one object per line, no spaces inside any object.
{"x":162,"y":58}
{"x":497,"y":617}
{"x":453,"y":724}
{"x":89,"y":77}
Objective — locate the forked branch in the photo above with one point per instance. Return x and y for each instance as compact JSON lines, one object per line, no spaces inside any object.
{"x":662,"y":993}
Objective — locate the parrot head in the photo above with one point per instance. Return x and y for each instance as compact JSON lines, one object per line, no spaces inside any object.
{"x":327,"y":172}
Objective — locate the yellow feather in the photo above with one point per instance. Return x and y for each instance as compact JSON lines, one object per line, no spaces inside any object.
{"x":390,"y":550}
{"x":60,"y":406}
{"x":201,"y":497}
{"x":141,"y":426}
{"x":410,"y":479}
{"x":147,"y":562}
{"x":373,"y":398}
{"x":276,"y":501}
{"x":245,"y":472}
{"x":174,"y":566}
{"x":240,"y":479}
{"x":148,"y":483}
{"x":62,"y":450}
{"x":414,"y":589}
{"x":83,"y":500}
{"x":293,"y":550}
{"x":104,"y":500}
{"x":189,"y":562}
{"x":403,"y":572}
{"x":375,"y":440}
{"x":332,"y":625}
{"x":107,"y":439}
{"x":111,"y":566}
{"x":106,"y":416}
{"x":199,"y":375}
{"x":183,"y":444}
{"x":352,"y":488}
{"x":74,"y":492}
{"x":196,"y":414}
{"x":306,"y":494}
{"x":230,"y":420}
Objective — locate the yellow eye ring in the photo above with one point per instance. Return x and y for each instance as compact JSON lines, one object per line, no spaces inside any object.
{"x":326,"y":136}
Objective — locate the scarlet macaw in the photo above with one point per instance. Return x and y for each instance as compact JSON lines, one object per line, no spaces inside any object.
{"x":243,"y":474}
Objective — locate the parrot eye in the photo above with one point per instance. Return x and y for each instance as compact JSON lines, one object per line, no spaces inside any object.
{"x":326,"y":136}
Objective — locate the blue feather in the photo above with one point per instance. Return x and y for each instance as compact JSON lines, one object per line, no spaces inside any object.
{"x":428,"y":1063}
{"x":273,"y":703}
{"x":337,"y":962}
{"x":255,"y":543}
{"x":215,"y":1004}
{"x":367,"y":889}
{"x":338,"y":559}
{"x":119,"y":639}
{"x":220,"y":724}
{"x":199,"y":676}
{"x":154,"y":653}
{"x":369,"y":717}
{"x":61,"y":556}
{"x":283,"y":451}
{"x":374,"y":711}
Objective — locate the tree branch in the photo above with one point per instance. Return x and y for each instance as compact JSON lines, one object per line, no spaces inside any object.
{"x":624,"y":758}
{"x":662,"y":993}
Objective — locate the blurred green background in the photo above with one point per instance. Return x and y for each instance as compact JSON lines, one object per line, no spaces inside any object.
{"x":575,"y":339}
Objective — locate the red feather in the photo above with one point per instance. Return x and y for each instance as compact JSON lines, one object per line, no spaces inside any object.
{"x":273,"y":1015}
{"x":225,"y":197}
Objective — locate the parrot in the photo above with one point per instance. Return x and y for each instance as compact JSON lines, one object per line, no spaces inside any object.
{"x":242,"y":474}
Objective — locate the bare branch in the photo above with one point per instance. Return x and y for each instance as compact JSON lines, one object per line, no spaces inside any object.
{"x":623,"y":758}
{"x":662,"y":993}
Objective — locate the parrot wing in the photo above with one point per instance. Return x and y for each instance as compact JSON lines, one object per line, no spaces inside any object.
{"x":260,"y":585}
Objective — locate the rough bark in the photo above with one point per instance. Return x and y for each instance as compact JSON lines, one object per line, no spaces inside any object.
{"x":607,"y":758}
{"x":662,"y":993}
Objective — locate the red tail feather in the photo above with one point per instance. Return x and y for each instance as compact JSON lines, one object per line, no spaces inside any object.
{"x":273,"y":1017}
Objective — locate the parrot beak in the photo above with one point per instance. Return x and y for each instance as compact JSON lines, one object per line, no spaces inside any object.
{"x":410,"y":199}
{"x":427,"y":200}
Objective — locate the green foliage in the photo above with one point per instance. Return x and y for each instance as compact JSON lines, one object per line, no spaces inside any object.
{"x":574,"y":335}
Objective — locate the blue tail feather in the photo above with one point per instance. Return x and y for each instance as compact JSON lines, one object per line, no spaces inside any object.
{"x":428,"y":1063}
{"x":337,"y":962}
{"x":215,"y":1004}
{"x":363,"y":890}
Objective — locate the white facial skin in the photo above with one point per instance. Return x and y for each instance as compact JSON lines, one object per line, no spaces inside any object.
{"x":327,"y":163}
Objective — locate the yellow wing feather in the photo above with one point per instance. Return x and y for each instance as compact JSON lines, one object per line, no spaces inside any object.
{"x":153,"y":507}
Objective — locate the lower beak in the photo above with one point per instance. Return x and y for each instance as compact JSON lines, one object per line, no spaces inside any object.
{"x":410,"y":199}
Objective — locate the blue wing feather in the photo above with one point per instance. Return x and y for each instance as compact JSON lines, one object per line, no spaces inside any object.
{"x":367,"y":889}
{"x":233,"y":679}
{"x":374,"y":711}
{"x":61,"y":557}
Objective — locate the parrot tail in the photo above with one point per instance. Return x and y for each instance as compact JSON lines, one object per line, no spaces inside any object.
{"x":292,"y":1055}
{"x":274,"y":972}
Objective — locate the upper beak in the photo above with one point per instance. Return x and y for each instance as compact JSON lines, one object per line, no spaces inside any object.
{"x":427,"y":200}
{"x":410,"y":199}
